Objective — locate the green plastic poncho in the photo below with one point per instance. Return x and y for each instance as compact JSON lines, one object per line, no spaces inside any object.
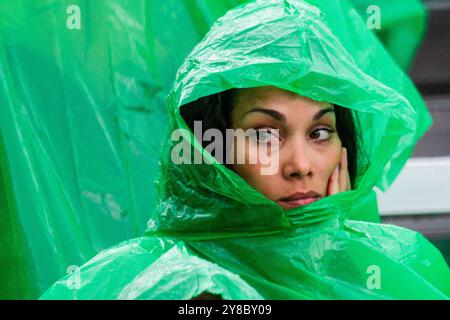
{"x":68,"y":100}
{"x":79,"y":142}
{"x":212,"y":232}
{"x":402,"y":25}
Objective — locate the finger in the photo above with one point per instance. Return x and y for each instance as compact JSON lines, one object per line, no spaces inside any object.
{"x":343,"y":171}
{"x":333,"y":186}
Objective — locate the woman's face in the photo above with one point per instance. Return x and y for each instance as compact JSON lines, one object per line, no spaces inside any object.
{"x":308,"y":151}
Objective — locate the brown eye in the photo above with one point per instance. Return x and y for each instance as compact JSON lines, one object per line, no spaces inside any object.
{"x":322,"y":134}
{"x":266,"y":135}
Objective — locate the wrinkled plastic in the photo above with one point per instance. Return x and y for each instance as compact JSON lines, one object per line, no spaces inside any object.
{"x":82,"y":118}
{"x":402,"y":26}
{"x":68,"y":100}
{"x":211,"y":231}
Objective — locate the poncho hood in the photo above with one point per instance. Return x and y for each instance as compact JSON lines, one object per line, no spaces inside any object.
{"x":306,"y":48}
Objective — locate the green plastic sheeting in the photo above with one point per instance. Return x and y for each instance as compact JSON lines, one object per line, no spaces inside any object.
{"x":66,"y":99}
{"x":83,"y":87}
{"x":401,"y":28}
{"x":210,"y":231}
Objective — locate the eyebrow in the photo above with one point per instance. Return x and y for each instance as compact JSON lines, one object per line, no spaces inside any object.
{"x":321,"y":113}
{"x":281,"y":118}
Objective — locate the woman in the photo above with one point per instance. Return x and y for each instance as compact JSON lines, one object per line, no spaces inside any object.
{"x":312,"y":140}
{"x":232,"y":231}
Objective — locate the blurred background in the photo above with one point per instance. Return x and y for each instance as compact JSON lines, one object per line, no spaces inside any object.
{"x":83,"y":87}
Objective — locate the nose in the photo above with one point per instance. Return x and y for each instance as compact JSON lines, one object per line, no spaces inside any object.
{"x":297,"y":163}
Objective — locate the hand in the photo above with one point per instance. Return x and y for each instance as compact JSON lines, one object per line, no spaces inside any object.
{"x":340,"y":179}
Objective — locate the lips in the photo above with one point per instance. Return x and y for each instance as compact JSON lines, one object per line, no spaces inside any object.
{"x":298,"y":199}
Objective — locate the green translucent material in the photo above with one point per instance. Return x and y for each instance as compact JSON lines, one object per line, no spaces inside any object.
{"x":79,"y":141}
{"x":210,"y":231}
{"x":82,"y":117}
{"x":402,"y":26}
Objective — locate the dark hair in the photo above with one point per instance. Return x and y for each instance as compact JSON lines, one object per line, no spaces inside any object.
{"x":215,"y":112}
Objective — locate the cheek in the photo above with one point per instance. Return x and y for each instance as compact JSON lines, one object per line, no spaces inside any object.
{"x":331,"y":159}
{"x":264,"y":184}
{"x":251,"y":169}
{"x":251,"y":174}
{"x":325,"y":157}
